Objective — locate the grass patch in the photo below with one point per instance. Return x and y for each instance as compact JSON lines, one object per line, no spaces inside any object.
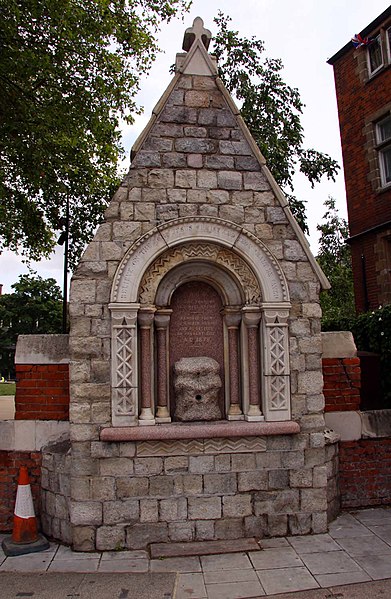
{"x":7,"y":388}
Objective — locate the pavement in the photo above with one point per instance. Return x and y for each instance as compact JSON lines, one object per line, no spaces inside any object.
{"x":352,"y":561}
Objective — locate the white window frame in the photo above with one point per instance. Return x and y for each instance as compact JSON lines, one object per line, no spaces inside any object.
{"x":370,"y":71}
{"x":383,"y":145}
{"x":388,"y":43}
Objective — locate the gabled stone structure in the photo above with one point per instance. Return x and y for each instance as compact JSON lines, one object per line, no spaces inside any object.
{"x":199,"y":256}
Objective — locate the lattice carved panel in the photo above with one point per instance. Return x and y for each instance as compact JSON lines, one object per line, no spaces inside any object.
{"x":124,"y":403}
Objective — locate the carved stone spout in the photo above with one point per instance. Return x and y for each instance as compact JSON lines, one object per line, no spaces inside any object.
{"x":197,"y":384}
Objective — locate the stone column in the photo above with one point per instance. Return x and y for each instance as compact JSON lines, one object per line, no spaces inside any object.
{"x":232,"y":319}
{"x":145,"y":320}
{"x":251,"y":318}
{"x":162,"y":321}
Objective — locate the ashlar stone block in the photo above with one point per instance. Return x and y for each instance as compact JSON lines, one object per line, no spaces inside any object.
{"x":173,"y":509}
{"x":116,"y":512}
{"x":139,"y":536}
{"x":109,"y":538}
{"x":149,"y":510}
{"x":86,"y":513}
{"x":132,"y":487}
{"x":236,"y":506}
{"x":204,"y":508}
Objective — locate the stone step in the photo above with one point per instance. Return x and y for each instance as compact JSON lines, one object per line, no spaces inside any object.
{"x":161,"y":550}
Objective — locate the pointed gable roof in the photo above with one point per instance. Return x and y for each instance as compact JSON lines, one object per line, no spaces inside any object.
{"x":197,"y":61}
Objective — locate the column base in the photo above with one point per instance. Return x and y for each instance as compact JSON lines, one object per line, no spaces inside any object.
{"x":235,"y":417}
{"x":146,"y":417}
{"x":162,"y":420}
{"x":162,"y":412}
{"x":250,"y":418}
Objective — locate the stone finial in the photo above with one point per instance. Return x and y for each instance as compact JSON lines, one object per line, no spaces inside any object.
{"x":196,"y":32}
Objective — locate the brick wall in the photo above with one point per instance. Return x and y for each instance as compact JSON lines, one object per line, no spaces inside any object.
{"x":365,"y":472}
{"x":342,"y":380}
{"x":42,"y":392}
{"x":10,"y":461}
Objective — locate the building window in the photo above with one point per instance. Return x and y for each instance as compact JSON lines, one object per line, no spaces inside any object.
{"x":383,"y":138}
{"x":375,"y":55}
{"x":388,"y":36}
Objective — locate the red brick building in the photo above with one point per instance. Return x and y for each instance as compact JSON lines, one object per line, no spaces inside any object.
{"x":363,"y":87}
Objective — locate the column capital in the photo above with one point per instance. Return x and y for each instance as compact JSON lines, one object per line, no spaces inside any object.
{"x":145,"y":317}
{"x":251,"y":316}
{"x":232,"y":317}
{"x":162,"y":318}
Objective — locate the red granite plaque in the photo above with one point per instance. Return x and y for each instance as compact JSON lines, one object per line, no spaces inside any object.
{"x":196,"y":327}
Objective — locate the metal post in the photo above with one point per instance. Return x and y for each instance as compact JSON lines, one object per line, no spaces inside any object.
{"x":65,"y":289}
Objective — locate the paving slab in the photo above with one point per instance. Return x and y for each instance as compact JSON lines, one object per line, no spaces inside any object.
{"x":330,"y":580}
{"x":377,"y":566}
{"x":232,"y":561}
{"x":66,"y":553}
{"x":130,"y":565}
{"x":70,"y":565}
{"x":26,"y":563}
{"x":119,"y":555}
{"x":235,"y":590}
{"x":373,"y":516}
{"x":370,"y":545}
{"x":176,"y":564}
{"x":203,"y":548}
{"x":190,"y":586}
{"x":384,"y":532}
{"x":284,"y":580}
{"x":347,"y":526}
{"x":313,"y":544}
{"x":281,"y":557}
{"x":330,"y":562}
{"x":223,"y":576}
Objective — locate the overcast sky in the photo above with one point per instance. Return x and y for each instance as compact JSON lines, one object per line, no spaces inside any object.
{"x":304,"y":34}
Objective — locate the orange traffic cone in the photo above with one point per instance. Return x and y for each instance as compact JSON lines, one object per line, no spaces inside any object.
{"x":25,"y":537}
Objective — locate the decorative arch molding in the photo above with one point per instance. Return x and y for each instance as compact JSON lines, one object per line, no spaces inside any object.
{"x":229,"y":271}
{"x":142,"y":254}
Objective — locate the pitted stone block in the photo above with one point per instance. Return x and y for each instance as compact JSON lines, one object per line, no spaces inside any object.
{"x":197,"y":385}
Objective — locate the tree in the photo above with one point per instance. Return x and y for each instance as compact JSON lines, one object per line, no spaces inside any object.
{"x":35,"y":307}
{"x":334,"y":258}
{"x":271,"y":110}
{"x":69,"y":70}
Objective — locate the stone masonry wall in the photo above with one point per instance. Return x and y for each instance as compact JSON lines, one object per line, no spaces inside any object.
{"x":269,"y":487}
{"x":195,"y":161}
{"x":55,"y":491}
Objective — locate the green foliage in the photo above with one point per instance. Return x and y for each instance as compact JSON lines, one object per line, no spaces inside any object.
{"x":271,"y":110}
{"x":334,"y":258}
{"x":372,"y":332}
{"x":35,"y":307}
{"x":7,"y":389}
{"x":69,"y":70}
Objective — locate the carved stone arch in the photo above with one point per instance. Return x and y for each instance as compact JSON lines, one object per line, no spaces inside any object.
{"x":225,"y":284}
{"x":178,"y":232}
{"x":226,"y":269}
